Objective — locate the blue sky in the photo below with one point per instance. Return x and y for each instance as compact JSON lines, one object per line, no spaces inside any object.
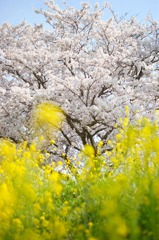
{"x":15,"y":11}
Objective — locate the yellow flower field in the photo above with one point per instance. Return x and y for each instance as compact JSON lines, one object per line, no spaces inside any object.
{"x":112,"y":196}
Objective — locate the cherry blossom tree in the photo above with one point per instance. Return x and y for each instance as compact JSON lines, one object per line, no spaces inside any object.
{"x":90,"y":65}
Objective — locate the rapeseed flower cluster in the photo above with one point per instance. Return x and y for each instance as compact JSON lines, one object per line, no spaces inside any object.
{"x":46,"y":120}
{"x":112,"y":196}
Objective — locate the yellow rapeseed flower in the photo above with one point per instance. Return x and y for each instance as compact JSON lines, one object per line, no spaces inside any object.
{"x":48,"y":113}
{"x":89,"y":151}
{"x":7,"y":149}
